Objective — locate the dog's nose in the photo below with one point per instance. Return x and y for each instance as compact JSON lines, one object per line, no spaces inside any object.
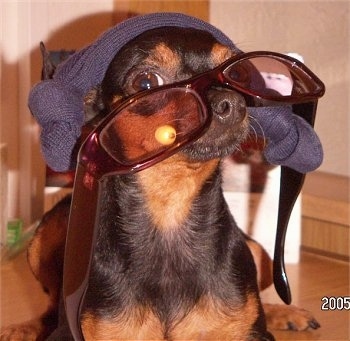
{"x":227,"y":104}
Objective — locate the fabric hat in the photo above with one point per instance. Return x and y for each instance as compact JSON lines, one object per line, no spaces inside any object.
{"x":58,"y":103}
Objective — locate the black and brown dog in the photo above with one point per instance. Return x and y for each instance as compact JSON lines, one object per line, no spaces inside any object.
{"x":170,"y":262}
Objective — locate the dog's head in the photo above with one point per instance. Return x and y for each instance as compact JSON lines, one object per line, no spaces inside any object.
{"x":167,"y":55}
{"x":57,"y":104}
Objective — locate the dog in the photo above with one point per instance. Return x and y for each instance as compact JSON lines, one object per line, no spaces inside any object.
{"x":170,"y":261}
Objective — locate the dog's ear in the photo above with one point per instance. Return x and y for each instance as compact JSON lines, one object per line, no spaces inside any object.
{"x":51,"y":59}
{"x":48,"y":68}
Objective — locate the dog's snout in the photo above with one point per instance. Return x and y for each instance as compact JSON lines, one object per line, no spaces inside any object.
{"x":227,"y":104}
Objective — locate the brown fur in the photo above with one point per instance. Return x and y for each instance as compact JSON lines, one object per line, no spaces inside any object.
{"x":209,"y":321}
{"x":123,"y":327}
{"x":263,"y":264}
{"x":212,"y":321}
{"x":164,"y":57}
{"x":163,"y":181}
{"x":283,"y":317}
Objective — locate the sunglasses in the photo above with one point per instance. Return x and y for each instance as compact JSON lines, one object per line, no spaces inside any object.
{"x":154,"y":124}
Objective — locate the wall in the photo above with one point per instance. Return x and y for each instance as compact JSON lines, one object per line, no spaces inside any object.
{"x":318,"y":30}
{"x":197,"y":8}
{"x":60,"y":24}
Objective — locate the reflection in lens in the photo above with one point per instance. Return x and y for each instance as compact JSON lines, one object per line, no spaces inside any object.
{"x":149,"y":104}
{"x":246,"y":75}
{"x":275,"y":74}
{"x":152,"y":124}
{"x":271,"y":77}
{"x":280,"y":83}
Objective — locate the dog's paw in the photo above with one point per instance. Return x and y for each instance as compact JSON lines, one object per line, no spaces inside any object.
{"x":23,"y":332}
{"x":288,"y":317}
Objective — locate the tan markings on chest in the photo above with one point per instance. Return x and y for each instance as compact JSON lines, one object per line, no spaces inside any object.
{"x":208,"y":320}
{"x":212,"y":320}
{"x":170,"y":188}
{"x":135,"y":324}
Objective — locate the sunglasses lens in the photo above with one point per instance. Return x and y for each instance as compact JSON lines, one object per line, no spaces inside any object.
{"x":153,"y":124}
{"x":273,"y":78}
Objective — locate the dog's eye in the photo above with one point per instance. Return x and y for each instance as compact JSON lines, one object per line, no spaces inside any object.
{"x":147,"y":80}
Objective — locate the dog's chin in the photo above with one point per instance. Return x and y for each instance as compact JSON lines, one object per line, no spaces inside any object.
{"x":213,"y":146}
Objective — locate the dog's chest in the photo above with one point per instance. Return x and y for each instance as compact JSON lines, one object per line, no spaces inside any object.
{"x":157,"y":233}
{"x":170,"y":190}
{"x":166,"y":268}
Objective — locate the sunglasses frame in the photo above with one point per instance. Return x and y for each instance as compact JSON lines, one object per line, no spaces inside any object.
{"x":95,"y":164}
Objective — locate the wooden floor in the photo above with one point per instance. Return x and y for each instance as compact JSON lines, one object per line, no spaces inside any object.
{"x":314,"y":278}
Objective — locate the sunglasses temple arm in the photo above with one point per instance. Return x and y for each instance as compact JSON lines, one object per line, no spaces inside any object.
{"x":291,"y":183}
{"x":81,"y":236}
{"x":290,"y":187}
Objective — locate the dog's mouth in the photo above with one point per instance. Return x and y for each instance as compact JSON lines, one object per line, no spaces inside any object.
{"x":229,"y":127}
